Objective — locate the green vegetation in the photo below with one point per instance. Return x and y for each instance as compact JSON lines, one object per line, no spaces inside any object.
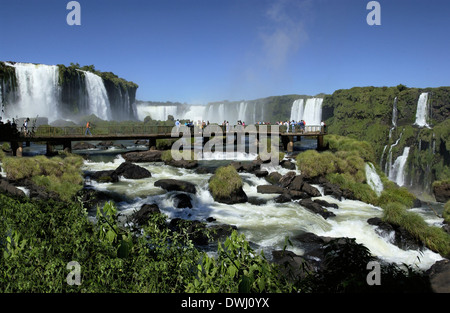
{"x":225,"y":180}
{"x":344,"y":166}
{"x":60,"y":174}
{"x":67,"y":73}
{"x":446,"y":213}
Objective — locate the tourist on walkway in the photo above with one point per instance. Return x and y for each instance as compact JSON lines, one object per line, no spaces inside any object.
{"x":88,"y":129}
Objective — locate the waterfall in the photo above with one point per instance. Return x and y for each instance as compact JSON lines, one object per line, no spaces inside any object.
{"x":156,"y":112}
{"x":373,"y":179}
{"x":382,"y":155}
{"x":394,"y":113}
{"x":422,"y":110}
{"x":388,"y":166}
{"x":310,"y":112}
{"x":98,"y":97}
{"x":397,"y":173}
{"x":37,"y":90}
{"x":297,"y":110}
{"x":195,"y":113}
{"x":242,"y":111}
{"x":394,"y":117}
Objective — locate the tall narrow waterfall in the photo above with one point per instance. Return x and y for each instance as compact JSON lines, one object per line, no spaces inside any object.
{"x":373,"y":179}
{"x":397,"y":173}
{"x":422,"y":110}
{"x":37,"y":90}
{"x":98,"y":97}
{"x":394,"y":113}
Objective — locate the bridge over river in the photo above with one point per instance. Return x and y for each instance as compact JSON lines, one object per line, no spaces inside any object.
{"x":64,"y":136}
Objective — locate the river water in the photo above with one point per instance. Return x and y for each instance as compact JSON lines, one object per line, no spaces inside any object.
{"x":264,"y":222}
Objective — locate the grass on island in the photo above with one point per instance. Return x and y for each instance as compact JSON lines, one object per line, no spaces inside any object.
{"x":225,"y":180}
{"x":60,"y":174}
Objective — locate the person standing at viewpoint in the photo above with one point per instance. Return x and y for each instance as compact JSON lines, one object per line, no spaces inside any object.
{"x":88,"y":129}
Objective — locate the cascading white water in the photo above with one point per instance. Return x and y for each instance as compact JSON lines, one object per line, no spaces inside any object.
{"x":388,"y":166}
{"x":312,"y":114}
{"x":98,"y":96}
{"x":297,"y":110}
{"x":267,"y":224}
{"x":422,"y":110}
{"x":38,"y":91}
{"x":397,"y":173}
{"x":156,"y":112}
{"x":394,"y":113}
{"x":195,"y":113}
{"x":373,"y":179}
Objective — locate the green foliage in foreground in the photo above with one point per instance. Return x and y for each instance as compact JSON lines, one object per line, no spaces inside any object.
{"x":39,"y":239}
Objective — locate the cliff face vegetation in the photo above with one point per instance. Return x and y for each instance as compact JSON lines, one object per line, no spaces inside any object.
{"x":367,"y":113}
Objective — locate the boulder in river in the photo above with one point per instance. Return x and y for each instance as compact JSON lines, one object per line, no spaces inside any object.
{"x":175,"y":185}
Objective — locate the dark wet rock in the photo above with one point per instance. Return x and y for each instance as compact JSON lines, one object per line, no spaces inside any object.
{"x":397,"y":235}
{"x":310,"y":190}
{"x":182,"y":200}
{"x":273,"y":178}
{"x":293,"y":266}
{"x":297,"y":195}
{"x":267,"y":189}
{"x":326,"y":204}
{"x":286,"y":179}
{"x":221,"y":231}
{"x":249,"y":167}
{"x":256,"y":201}
{"x":439,"y":276}
{"x":175,"y":185}
{"x":204,"y":170}
{"x":287,"y":165}
{"x":143,"y":156}
{"x":316,"y":208}
{"x":188,"y":164}
{"x":10,"y":189}
{"x":283,"y":198}
{"x":296,"y":183}
{"x":261,"y":173}
{"x":142,"y":216}
{"x":236,"y":196}
{"x":441,"y":191}
{"x":132,"y":171}
{"x":109,"y":176}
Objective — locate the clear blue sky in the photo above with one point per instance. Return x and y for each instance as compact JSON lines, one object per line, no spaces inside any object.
{"x":198,"y":51}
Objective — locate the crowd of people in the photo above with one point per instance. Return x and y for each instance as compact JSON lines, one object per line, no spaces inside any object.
{"x":290,"y":125}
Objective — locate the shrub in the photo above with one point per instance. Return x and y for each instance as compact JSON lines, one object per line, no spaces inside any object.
{"x":312,"y":163}
{"x":225,"y":180}
{"x":446,"y":213}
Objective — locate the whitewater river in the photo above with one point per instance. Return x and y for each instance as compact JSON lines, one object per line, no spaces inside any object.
{"x":267,"y":223}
